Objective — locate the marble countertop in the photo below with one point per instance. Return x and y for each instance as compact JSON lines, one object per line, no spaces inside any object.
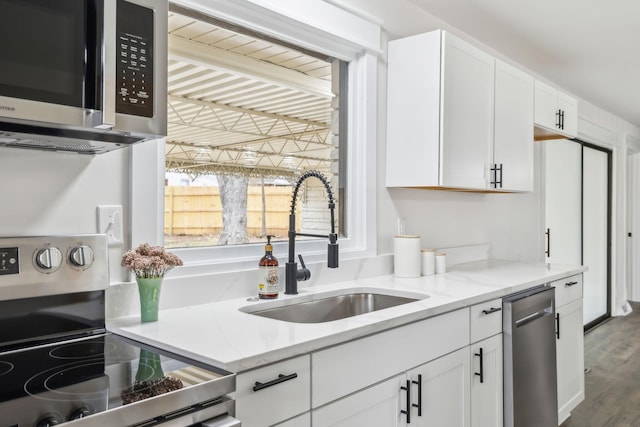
{"x":223,"y":335}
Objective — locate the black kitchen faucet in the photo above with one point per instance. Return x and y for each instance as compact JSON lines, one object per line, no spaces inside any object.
{"x":292,"y":273}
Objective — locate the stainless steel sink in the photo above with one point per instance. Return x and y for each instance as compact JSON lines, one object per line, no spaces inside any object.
{"x":334,"y":307}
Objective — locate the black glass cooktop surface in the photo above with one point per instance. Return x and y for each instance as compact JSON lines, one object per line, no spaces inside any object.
{"x":59,"y":382}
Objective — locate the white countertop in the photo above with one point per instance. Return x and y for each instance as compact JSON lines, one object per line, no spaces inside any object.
{"x":221,"y":335}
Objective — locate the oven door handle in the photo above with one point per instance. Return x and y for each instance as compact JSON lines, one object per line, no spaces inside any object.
{"x":221,"y":421}
{"x":108,"y":84}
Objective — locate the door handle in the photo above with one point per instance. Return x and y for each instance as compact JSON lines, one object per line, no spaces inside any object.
{"x":407,"y":389}
{"x":419,"y":405}
{"x":557,"y":325}
{"x":548,"y":234}
{"x":480,"y":354}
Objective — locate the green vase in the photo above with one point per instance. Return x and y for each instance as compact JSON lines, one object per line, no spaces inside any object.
{"x":149,"y":290}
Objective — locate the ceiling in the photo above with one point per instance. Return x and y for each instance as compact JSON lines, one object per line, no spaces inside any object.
{"x":238,"y":104}
{"x":590,"y":48}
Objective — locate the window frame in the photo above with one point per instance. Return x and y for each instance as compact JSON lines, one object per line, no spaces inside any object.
{"x":315,"y":25}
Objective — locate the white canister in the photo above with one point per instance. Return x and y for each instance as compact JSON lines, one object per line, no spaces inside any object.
{"x":428,"y":262}
{"x":441,"y":262}
{"x":406,"y":256}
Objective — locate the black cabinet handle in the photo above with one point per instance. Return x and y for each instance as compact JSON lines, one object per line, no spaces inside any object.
{"x":408,"y":411}
{"x":281,"y":378}
{"x":480,"y":354}
{"x":548,"y":251}
{"x":500,"y":182}
{"x":494,"y":175}
{"x":491,"y":310}
{"x":562,"y":119}
{"x":558,"y":118}
{"x":419,"y":405}
{"x":570,"y":284}
{"x":557,"y":325}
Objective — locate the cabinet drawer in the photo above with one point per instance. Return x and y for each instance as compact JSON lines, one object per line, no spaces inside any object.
{"x":486,"y":319}
{"x":568,"y":289}
{"x":283,"y":391}
{"x":343,"y":369}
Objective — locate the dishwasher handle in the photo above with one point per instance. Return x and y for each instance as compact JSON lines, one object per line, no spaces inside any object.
{"x":548,"y":311}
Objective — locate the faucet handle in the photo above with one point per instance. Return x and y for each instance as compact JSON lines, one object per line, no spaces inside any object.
{"x":303,"y":273}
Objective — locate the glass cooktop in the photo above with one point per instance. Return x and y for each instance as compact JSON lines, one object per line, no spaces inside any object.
{"x":71,"y":380}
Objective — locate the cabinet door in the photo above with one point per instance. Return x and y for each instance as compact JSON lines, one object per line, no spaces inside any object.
{"x":376,"y":406}
{"x":486,"y":382}
{"x":466,"y":136}
{"x":569,"y":107}
{"x":513,"y":138}
{"x":444,"y":396}
{"x":546,"y":106}
{"x":563,"y":204}
{"x":570,"y":358}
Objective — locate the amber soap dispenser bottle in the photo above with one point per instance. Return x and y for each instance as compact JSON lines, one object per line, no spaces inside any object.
{"x":268,"y":275}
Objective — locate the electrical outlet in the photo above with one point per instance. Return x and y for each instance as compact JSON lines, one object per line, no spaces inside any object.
{"x":110,"y":223}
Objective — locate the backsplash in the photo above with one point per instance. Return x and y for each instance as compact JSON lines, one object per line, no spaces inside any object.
{"x":122,"y":298}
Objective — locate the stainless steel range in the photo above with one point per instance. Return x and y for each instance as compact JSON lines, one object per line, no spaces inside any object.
{"x":59,"y":365}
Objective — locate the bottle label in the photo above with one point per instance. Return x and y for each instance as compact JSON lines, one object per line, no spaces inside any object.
{"x":268,"y":280}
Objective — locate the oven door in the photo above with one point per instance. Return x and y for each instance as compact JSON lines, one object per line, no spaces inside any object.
{"x":52,"y":61}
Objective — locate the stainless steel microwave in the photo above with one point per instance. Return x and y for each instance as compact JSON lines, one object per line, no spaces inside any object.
{"x":86,"y":76}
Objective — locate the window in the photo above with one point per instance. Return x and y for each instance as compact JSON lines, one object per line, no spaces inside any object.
{"x":321,"y":27}
{"x":246,"y":116}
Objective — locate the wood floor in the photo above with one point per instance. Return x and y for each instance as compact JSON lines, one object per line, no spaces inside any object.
{"x":612,"y":384}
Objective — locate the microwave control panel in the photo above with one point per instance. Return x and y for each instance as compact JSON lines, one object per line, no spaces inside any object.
{"x":134,"y":69}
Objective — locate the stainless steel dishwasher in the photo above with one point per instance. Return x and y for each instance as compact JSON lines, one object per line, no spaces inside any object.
{"x":530,"y":390}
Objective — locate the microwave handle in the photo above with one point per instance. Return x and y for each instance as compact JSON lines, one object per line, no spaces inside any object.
{"x":109,"y":44}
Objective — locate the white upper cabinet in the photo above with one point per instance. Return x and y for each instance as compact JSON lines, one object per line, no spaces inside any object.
{"x":556,"y":112}
{"x":441,"y":100}
{"x":513,"y":138}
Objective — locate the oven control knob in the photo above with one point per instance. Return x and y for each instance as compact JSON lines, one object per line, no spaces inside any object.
{"x":81,"y":256}
{"x":50,"y":420}
{"x":80,"y":412}
{"x":48,"y":259}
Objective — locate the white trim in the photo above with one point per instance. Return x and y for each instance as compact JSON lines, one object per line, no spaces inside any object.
{"x":312,"y":24}
{"x":148,"y":216}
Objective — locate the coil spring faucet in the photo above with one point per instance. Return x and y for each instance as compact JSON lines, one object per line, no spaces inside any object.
{"x":292,"y":273}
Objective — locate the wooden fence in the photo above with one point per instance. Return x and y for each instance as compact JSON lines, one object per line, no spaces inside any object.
{"x":196,"y":211}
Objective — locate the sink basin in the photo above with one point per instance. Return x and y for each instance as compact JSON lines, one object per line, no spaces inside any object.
{"x":328,"y":308}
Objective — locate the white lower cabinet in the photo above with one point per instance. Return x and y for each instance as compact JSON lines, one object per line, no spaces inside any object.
{"x":434,"y":394}
{"x":486,"y":382}
{"x":440,"y":392}
{"x":569,"y":344}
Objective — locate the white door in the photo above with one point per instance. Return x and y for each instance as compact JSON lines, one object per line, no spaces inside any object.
{"x":563,"y":204}
{"x":513,"y":139}
{"x":570,"y":358}
{"x":595,"y":232}
{"x":445,"y":391}
{"x":486,"y":382}
{"x":467,"y":114}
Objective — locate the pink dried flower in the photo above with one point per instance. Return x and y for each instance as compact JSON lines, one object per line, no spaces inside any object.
{"x":148,"y":261}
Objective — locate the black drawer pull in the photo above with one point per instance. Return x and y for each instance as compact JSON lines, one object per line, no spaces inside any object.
{"x":571,"y":283}
{"x":491,"y":310}
{"x":281,"y":378}
{"x":407,"y":390}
